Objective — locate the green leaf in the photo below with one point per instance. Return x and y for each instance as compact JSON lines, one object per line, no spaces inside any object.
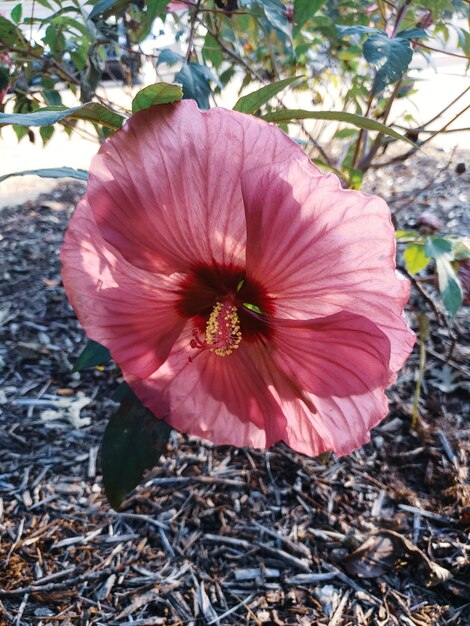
{"x":55,"y":39}
{"x":415,"y":258}
{"x":17,"y":13}
{"x":10,"y":35}
{"x":55,"y":172}
{"x":461,"y":249}
{"x":437,"y":7}
{"x":437,"y":247}
{"x":91,"y":111}
{"x":133,"y":441}
{"x":159,"y":93}
{"x":303,"y":11}
{"x":4,"y":77}
{"x":449,"y":285}
{"x":212,"y":52}
{"x":46,"y":133}
{"x":104,"y":5}
{"x":169,"y":56}
{"x":195,"y":81}
{"x":52,"y":97}
{"x":407,"y":234}
{"x":346,"y":31}
{"x":255,"y":100}
{"x":93,"y":354}
{"x":122,"y":393}
{"x":392,"y":55}
{"x":413,"y":33}
{"x":44,"y":3}
{"x":287,"y":115}
{"x":144,"y":17}
{"x":276,"y":14}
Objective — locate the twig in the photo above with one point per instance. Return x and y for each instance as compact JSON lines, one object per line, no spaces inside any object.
{"x":423,"y":337}
{"x":248,"y":599}
{"x":433,"y":119}
{"x":362,"y":131}
{"x":428,"y":514}
{"x":192,"y":30}
{"x":403,"y":157}
{"x":447,"y":449}
{"x":132,"y":516}
{"x":366,"y":160}
{"x":291,"y":560}
{"x":422,"y":292}
{"x":35,"y":588}
{"x":378,"y":140}
{"x":400,"y":15}
{"x":451,"y":54}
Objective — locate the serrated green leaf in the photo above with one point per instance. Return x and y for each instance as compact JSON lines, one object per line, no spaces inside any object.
{"x":53,"y":172}
{"x":275,"y":13}
{"x":91,"y":111}
{"x":93,"y":354}
{"x":346,"y":31}
{"x":287,"y":115}
{"x":304,"y":10}
{"x":104,"y":5}
{"x":413,"y":33}
{"x":194,"y":79}
{"x":255,"y":100}
{"x":159,"y":93}
{"x":133,"y":441}
{"x":415,"y":258}
{"x":392,"y":56}
{"x":169,"y":56}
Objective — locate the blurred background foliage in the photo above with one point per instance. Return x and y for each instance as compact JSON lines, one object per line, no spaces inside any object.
{"x":343,"y":62}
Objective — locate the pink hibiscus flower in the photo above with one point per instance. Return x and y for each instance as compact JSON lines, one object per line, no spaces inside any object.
{"x":247,"y":298}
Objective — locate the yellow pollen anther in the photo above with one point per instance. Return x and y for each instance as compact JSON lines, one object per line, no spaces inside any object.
{"x":223,"y":329}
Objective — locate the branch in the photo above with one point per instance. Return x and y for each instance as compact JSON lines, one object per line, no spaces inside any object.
{"x":403,"y":157}
{"x":445,"y":109}
{"x":365,"y":161}
{"x":192,"y":30}
{"x":451,"y":54}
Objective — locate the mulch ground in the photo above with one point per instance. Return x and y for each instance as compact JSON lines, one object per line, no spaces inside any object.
{"x":218,"y":535}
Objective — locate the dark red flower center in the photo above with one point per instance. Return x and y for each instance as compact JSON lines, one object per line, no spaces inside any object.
{"x":226,"y":306}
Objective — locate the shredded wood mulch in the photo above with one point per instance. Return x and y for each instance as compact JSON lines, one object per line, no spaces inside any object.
{"x":219,"y":535}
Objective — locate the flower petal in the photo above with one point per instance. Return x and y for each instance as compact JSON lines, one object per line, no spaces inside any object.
{"x":223,"y":399}
{"x":165,"y":189}
{"x":130,"y":311}
{"x":313,"y":425}
{"x":319,"y":249}
{"x":339,"y":355}
{"x":339,"y":425}
{"x":245,"y":399}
